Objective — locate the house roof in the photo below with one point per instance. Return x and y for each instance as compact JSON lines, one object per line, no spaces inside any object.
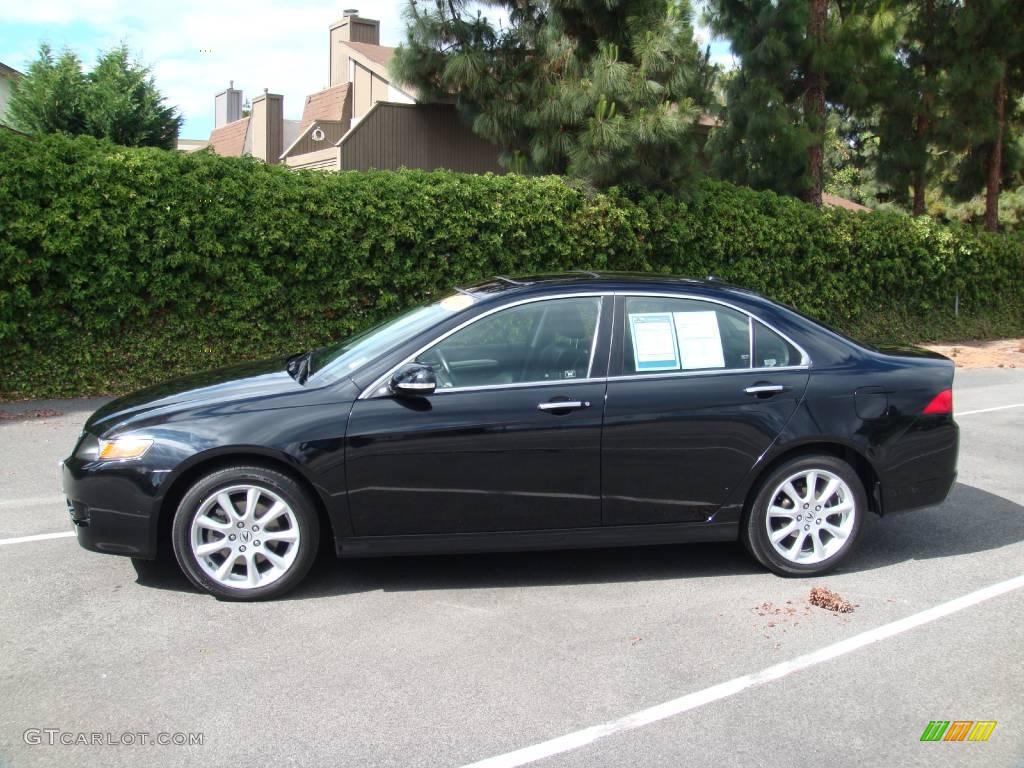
{"x":379,"y":54}
{"x":328,"y":104}
{"x":229,"y":140}
{"x":9,"y":72}
{"x":834,"y":201}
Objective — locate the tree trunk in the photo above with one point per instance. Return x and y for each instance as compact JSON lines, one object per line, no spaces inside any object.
{"x":995,"y":161}
{"x":814,"y":104}
{"x":924,"y":116}
{"x":918,"y":194}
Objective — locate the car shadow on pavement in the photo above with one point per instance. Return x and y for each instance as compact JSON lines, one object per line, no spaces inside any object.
{"x":971,"y":520}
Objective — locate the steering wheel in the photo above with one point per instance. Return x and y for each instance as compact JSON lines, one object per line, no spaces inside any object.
{"x":444,"y":378}
{"x":444,"y":362}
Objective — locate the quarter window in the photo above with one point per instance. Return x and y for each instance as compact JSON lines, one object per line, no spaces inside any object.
{"x":536,"y":342}
{"x":663,"y":335}
{"x":771,"y":350}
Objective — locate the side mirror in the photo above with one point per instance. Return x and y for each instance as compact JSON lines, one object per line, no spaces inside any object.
{"x":414,"y":380}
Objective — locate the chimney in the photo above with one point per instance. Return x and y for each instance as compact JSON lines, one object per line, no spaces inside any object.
{"x":351,"y":28}
{"x":227,"y":106}
{"x":268,"y":127}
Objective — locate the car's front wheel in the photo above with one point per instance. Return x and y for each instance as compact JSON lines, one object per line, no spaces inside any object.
{"x":806,"y":516}
{"x":246,"y":533}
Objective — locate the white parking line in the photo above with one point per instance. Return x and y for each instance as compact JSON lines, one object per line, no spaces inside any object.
{"x":37,"y":537}
{"x":32,"y":501}
{"x":988,"y":410}
{"x":577,"y":739}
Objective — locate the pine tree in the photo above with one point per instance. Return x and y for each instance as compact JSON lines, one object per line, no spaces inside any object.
{"x":796,"y":58}
{"x":49,"y":97}
{"x":909,"y":101}
{"x":603,"y":90}
{"x":117,"y":100}
{"x":984,"y":86}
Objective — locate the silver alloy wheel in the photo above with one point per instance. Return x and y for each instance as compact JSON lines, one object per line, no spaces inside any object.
{"x":245,"y":537}
{"x":810,"y":516}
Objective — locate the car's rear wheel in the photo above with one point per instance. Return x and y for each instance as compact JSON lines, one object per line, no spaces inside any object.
{"x":246,"y":533}
{"x":806,"y":517}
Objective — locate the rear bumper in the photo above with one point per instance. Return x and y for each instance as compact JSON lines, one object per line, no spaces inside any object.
{"x":925,"y":493}
{"x":924,"y":466}
{"x":110,"y":509}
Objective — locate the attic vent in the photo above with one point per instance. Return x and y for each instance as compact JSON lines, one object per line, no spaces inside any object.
{"x":318,"y":134}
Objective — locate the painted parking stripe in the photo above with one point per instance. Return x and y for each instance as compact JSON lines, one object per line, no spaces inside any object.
{"x":37,"y":537}
{"x":989,"y":410}
{"x":32,"y":501}
{"x":578,"y":739}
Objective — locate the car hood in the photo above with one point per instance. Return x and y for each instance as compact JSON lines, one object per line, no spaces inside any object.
{"x":232,"y":383}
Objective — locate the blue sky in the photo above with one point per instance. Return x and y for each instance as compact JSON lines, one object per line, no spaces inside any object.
{"x":197,"y":46}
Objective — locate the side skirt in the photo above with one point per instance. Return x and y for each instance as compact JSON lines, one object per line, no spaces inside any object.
{"x":513,"y":541}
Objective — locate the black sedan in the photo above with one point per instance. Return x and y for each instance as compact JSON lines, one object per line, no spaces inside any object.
{"x":559,"y":411}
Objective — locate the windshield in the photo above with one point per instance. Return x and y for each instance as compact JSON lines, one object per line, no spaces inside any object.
{"x":349,"y":354}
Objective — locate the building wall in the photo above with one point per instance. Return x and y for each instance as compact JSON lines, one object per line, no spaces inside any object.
{"x":322,"y":160}
{"x":5,"y":96}
{"x":362,"y":92}
{"x":267,"y":127}
{"x":427,"y":136}
{"x":333,"y":131}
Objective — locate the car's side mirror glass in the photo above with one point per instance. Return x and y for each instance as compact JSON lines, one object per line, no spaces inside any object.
{"x":414,"y":380}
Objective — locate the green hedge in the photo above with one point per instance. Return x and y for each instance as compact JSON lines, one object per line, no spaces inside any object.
{"x":121,"y":267}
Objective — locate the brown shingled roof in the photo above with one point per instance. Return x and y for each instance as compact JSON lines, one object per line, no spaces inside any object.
{"x":229,"y":140}
{"x":380,"y":54}
{"x":328,"y":104}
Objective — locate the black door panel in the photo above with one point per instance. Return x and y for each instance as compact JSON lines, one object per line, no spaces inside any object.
{"x":675,"y":447}
{"x":486,"y":460}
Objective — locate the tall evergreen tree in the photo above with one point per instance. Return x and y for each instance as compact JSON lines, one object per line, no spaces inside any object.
{"x":49,"y":98}
{"x":796,"y":58}
{"x":603,"y":90}
{"x":984,"y":86}
{"x":117,"y":100}
{"x":908,"y":97}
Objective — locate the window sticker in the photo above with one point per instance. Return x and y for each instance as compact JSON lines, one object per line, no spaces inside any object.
{"x":654,"y":342}
{"x":700,"y":342}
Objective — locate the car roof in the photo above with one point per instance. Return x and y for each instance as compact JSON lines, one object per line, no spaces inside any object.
{"x":583,"y":279}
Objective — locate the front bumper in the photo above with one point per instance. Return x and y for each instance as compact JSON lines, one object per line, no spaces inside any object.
{"x":113,"y":506}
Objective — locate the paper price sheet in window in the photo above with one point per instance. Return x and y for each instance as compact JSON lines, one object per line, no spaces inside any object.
{"x":670,"y":341}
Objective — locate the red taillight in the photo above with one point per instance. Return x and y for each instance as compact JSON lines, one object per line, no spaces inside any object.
{"x":941,"y":403}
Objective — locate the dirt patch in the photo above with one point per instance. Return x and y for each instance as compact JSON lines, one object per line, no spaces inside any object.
{"x":1005,"y":353}
{"x":823,"y":597}
{"x":37,"y":413}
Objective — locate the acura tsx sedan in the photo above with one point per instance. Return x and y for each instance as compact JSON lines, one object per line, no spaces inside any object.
{"x":543,"y":412}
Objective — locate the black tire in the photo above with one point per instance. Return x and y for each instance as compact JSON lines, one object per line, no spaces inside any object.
{"x":755,"y":528}
{"x":273,"y":487}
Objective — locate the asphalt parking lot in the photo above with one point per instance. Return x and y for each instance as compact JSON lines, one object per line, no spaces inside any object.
{"x":515,"y":658}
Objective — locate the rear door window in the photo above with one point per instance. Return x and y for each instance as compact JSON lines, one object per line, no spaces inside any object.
{"x":662,"y":335}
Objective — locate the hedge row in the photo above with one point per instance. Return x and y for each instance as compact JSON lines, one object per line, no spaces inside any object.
{"x":120,"y":267}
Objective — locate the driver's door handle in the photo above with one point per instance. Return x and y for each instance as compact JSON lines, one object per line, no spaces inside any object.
{"x":764,"y":389}
{"x":563,"y":405}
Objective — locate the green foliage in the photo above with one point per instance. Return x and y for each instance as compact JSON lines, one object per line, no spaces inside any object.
{"x":796,"y":56}
{"x":606,"y":91}
{"x":49,"y":97}
{"x":117,"y":100}
{"x":121,"y":267}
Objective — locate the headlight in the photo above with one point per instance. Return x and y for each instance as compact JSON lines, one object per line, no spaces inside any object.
{"x":123,"y":448}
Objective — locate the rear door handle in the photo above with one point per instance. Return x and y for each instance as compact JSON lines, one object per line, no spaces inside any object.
{"x":765,"y":389}
{"x":563,"y":405}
